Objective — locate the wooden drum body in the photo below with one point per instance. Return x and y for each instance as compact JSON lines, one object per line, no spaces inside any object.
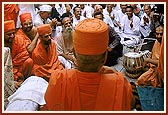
{"x":133,"y":63}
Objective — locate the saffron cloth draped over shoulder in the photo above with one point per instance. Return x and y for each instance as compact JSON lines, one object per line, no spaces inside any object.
{"x":45,"y":61}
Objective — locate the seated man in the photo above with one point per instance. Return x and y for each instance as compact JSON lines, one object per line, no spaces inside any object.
{"x":149,"y":78}
{"x":64,"y":44}
{"x":22,"y":63}
{"x":45,"y":55}
{"x":130,"y":24}
{"x":28,"y":31}
{"x":87,"y":87}
{"x":115,"y":48}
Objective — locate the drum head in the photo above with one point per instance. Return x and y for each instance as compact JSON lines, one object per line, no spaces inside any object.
{"x":133,"y":54}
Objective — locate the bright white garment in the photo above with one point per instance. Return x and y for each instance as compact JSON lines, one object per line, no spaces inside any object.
{"x":119,"y":17}
{"x":25,"y":8}
{"x":39,"y":21}
{"x":128,"y":32}
{"x":75,"y":21}
{"x":60,"y":9}
{"x":29,"y":95}
{"x":145,"y":28}
{"x":88,"y":11}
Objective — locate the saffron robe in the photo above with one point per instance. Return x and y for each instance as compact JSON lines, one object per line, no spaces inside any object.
{"x":45,"y":62}
{"x":73,"y":90}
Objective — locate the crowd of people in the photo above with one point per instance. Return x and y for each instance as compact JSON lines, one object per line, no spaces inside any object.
{"x":59,"y":56}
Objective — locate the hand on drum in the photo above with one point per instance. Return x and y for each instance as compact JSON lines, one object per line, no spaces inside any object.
{"x":147,"y":60}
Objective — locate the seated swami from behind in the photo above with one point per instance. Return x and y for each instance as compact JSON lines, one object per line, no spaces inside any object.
{"x":89,"y":87}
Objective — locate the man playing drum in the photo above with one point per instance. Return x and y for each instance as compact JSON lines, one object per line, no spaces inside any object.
{"x":150,"y":76}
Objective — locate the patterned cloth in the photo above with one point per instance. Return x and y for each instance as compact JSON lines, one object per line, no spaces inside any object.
{"x":9,"y":88}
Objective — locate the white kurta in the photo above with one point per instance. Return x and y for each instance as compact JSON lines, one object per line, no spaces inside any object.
{"x":145,"y":28}
{"x":128,"y":32}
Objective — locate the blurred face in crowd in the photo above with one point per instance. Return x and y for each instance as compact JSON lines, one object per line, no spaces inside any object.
{"x":99,"y":17}
{"x":27,"y":25}
{"x":129,"y":12}
{"x":46,"y":39}
{"x":9,"y":36}
{"x":159,"y":34}
{"x":98,"y":8}
{"x":147,"y":9}
{"x":77,"y":12}
{"x":109,"y":8}
{"x":67,"y":22}
{"x":123,"y":7}
{"x":67,"y":28}
{"x":45,"y":14}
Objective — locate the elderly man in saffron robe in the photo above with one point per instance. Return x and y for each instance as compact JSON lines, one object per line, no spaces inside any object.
{"x":45,"y":56}
{"x":89,"y":87}
{"x":22,"y":63}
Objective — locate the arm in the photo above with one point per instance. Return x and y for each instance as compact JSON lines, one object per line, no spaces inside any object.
{"x":31,"y":47}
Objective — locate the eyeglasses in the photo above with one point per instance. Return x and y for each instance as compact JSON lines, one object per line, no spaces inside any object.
{"x":160,"y":34}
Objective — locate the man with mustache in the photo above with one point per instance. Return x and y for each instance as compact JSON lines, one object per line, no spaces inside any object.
{"x":45,"y":55}
{"x":64,"y":43}
{"x":149,"y":78}
{"x":28,"y":31}
{"x":22,"y":63}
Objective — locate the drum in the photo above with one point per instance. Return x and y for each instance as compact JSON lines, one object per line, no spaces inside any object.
{"x":146,"y":54}
{"x":133,"y":62}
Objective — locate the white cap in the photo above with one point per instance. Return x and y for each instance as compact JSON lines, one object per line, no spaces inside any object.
{"x":45,"y":8}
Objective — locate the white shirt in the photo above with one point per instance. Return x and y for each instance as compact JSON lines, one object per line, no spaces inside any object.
{"x":25,"y":8}
{"x":39,"y":21}
{"x":75,"y":21}
{"x":145,"y":28}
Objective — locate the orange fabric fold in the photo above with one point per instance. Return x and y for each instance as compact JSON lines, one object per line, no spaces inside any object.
{"x":161,"y":61}
{"x":44,"y":29}
{"x":149,"y":78}
{"x":91,"y":37}
{"x":22,"y":63}
{"x":26,"y":38}
{"x":45,"y":62}
{"x":9,"y":25}
{"x":25,"y":16}
{"x":76,"y":91}
{"x":11,"y":12}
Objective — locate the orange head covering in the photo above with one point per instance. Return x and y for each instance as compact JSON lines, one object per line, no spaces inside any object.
{"x":9,"y":25}
{"x":44,"y":29}
{"x":25,"y":16}
{"x":91,"y":37}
